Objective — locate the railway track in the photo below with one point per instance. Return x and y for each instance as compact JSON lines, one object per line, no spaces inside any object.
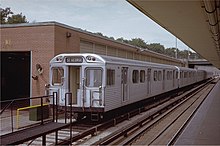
{"x":162,"y":130}
{"x":133,"y":128}
{"x":162,"y":127}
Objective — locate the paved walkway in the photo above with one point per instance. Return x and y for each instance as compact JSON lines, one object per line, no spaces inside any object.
{"x":204,"y":127}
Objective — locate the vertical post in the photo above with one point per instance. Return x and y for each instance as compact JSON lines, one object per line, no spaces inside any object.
{"x":176,"y":49}
{"x":53,"y":106}
{"x":12,"y":127}
{"x":71,"y":118}
{"x":56,"y":138}
{"x":65,"y":107}
{"x":41,"y":105}
{"x":83,"y":92}
{"x":44,"y":140}
{"x":56,"y":107}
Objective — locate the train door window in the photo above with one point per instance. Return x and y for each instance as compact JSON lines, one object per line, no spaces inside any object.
{"x":155,"y":75}
{"x":169,"y":75}
{"x":142,"y":76}
{"x":159,"y":76}
{"x":135,"y":76}
{"x":57,"y":77}
{"x":110,"y":77}
{"x":93,"y":77}
{"x":185,"y":74}
{"x":164,"y":73}
{"x":176,"y":74}
{"x":148,"y":75}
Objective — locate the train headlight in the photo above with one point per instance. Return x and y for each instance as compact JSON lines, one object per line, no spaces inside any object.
{"x":59,"y":59}
{"x":90,"y":58}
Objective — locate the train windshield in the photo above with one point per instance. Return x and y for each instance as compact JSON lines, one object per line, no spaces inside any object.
{"x":57,"y":77}
{"x":93,"y":77}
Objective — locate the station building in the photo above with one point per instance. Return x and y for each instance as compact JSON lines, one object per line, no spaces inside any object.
{"x":28,"y":47}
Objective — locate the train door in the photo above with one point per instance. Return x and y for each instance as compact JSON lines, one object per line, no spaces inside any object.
{"x":149,"y":81}
{"x":124,"y":83}
{"x":163,"y":80}
{"x":94,"y":87}
{"x":74,"y":82}
{"x":59,"y":85}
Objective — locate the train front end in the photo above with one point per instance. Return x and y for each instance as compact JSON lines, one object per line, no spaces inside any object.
{"x":82,"y":77}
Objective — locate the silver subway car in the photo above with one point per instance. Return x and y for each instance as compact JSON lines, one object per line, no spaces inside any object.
{"x":83,"y":76}
{"x":102,"y":83}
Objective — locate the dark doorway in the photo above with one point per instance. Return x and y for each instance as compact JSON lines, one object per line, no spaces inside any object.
{"x":15,"y":75}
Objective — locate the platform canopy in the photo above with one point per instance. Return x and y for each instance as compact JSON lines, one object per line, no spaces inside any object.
{"x":194,"y":22}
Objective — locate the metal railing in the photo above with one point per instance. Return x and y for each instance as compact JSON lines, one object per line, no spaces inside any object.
{"x":13,"y":103}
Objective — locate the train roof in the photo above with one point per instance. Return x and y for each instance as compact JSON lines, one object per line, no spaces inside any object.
{"x":103,"y":59}
{"x":116,"y":60}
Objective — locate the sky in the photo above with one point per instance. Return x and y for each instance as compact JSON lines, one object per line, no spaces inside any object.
{"x":113,"y":18}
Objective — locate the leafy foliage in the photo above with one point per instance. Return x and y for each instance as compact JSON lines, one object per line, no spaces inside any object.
{"x":157,"y":47}
{"x":8,"y":17}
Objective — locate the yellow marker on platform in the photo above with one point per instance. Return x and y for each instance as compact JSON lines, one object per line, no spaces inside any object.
{"x":24,"y":108}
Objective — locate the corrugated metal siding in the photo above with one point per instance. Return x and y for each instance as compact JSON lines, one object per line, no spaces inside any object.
{"x":93,"y":47}
{"x":112,"y":98}
{"x":111,"y":51}
{"x":130,"y":55}
{"x":86,"y":47}
{"x":100,"y":49}
{"x":113,"y":93}
{"x":122,"y":53}
{"x":136,"y":56}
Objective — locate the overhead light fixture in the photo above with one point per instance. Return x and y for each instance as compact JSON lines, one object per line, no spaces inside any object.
{"x":68,"y":34}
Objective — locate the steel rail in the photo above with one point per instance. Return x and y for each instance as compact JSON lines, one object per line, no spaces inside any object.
{"x":107,"y":140}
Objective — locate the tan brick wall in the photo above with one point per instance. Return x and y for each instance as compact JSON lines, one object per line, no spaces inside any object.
{"x":64,"y":44}
{"x":40,"y":41}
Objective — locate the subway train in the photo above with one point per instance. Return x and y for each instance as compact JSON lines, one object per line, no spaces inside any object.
{"x":101,"y":83}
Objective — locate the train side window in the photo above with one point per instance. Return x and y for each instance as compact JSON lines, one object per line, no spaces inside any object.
{"x":169,"y":75}
{"x":58,"y":74}
{"x":142,"y":76}
{"x":155,"y":75}
{"x":93,"y":77}
{"x":159,"y":76}
{"x":185,"y":74}
{"x":110,"y":77}
{"x":135,"y":76}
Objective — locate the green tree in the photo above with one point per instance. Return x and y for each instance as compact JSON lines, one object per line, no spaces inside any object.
{"x":156,"y":47}
{"x":18,"y":18}
{"x":4,"y":14}
{"x":138,"y":42}
{"x":121,"y":39}
{"x":8,"y":17}
{"x":170,"y":52}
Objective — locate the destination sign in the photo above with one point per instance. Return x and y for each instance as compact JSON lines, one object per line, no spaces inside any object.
{"x":74,"y":59}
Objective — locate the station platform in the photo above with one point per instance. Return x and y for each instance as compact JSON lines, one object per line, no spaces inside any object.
{"x":204,"y":127}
